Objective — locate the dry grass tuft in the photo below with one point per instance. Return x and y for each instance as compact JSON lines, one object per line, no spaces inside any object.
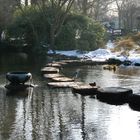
{"x":136,"y":37}
{"x":125,"y":44}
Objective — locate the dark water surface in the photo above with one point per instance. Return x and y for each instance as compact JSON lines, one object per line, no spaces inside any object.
{"x":58,"y":114}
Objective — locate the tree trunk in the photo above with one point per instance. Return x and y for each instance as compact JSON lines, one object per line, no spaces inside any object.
{"x":119,"y":19}
{"x":84,"y":5}
{"x":34,"y":2}
{"x":26,"y":2}
{"x":52,"y":38}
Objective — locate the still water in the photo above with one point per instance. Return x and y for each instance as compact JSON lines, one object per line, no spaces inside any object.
{"x":58,"y":114}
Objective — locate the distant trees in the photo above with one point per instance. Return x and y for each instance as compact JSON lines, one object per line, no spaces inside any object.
{"x":138,"y":22}
{"x":70,"y":31}
{"x":128,"y":10}
{"x":34,"y":2}
{"x":81,"y":33}
{"x":7,"y":8}
{"x":95,"y":9}
{"x":60,"y":10}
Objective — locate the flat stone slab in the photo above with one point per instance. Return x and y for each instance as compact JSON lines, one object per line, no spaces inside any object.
{"x":50,"y":76}
{"x":85,"y":89}
{"x":114,"y":94}
{"x":56,"y":65}
{"x":48,"y":70}
{"x":62,"y":79}
{"x":115,"y":90}
{"x":62,"y":63}
{"x":135,"y":99}
{"x":63,"y":84}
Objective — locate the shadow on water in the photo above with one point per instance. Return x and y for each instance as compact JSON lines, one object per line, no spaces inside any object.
{"x":20,"y":62}
{"x":16,"y":108}
{"x":83,"y":118}
{"x":20,"y":93}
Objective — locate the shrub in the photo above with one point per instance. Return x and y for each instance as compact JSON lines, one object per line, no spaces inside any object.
{"x":81,"y":33}
{"x":77,"y":32}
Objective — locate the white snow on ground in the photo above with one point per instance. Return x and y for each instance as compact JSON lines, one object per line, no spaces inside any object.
{"x":98,"y":55}
{"x":102,"y":54}
{"x":110,"y":45}
{"x":70,"y":53}
{"x":134,"y":58}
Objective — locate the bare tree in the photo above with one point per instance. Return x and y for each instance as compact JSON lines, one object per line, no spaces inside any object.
{"x":34,"y":2}
{"x":127,"y":13}
{"x":7,"y":8}
{"x":93,"y":8}
{"x":61,"y":9}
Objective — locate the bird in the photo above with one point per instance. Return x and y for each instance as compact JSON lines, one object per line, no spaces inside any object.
{"x":92,"y":84}
{"x":76,"y":73}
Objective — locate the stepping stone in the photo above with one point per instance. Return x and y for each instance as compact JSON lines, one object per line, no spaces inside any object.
{"x":63,"y":84}
{"x":62,"y":79}
{"x":50,"y":76}
{"x":114,"y":95}
{"x":85,"y":89}
{"x":134,"y":100}
{"x":62,"y":63}
{"x":48,"y":70}
{"x":56,"y":65}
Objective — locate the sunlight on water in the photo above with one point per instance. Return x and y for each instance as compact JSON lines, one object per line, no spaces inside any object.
{"x":23,"y":125}
{"x":43,"y":113}
{"x":124,"y":125}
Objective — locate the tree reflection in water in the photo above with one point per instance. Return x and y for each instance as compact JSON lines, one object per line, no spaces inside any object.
{"x":83,"y":117}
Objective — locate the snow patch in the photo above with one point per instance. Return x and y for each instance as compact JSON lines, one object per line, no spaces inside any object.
{"x":69,"y":53}
{"x":102,"y":55}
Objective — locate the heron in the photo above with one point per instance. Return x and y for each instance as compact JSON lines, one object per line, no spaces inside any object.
{"x":76,"y":73}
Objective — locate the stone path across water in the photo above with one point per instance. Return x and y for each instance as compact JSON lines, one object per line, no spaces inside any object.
{"x":107,"y":94}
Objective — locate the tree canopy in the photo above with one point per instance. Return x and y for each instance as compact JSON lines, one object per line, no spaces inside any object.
{"x":77,"y":31}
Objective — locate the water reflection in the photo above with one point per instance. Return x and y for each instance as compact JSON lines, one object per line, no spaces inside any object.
{"x":15,"y":114}
{"x":58,"y":114}
{"x":104,"y":121}
{"x":83,"y":118}
{"x":20,"y":93}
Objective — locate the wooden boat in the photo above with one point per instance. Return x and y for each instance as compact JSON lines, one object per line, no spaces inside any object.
{"x":18,"y":77}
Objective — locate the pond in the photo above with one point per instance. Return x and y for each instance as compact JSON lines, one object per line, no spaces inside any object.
{"x":58,"y":114}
